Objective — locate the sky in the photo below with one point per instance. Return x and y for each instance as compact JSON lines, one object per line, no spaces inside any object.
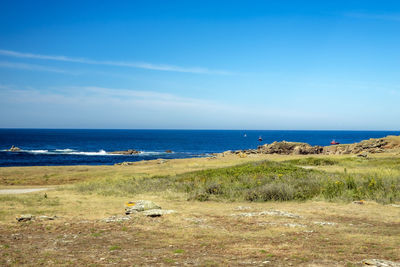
{"x":266,"y":65}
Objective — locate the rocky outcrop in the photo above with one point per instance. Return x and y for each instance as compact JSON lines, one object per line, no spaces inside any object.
{"x":373,"y":145}
{"x":367,"y":146}
{"x":287,"y":148}
{"x":125,"y":152}
{"x":14,"y":149}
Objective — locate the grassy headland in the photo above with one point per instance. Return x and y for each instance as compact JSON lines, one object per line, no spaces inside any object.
{"x":230,"y":211}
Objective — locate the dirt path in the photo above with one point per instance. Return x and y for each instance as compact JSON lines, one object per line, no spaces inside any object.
{"x":21,"y":191}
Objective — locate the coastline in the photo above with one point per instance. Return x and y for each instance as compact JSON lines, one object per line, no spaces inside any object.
{"x":86,"y":210}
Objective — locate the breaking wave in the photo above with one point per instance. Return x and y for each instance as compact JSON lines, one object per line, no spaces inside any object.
{"x":69,"y":151}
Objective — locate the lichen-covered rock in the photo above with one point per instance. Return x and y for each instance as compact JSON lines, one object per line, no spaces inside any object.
{"x":157,"y":212}
{"x":380,"y":263}
{"x":47,"y":218}
{"x":377,"y":145}
{"x":25,"y":218}
{"x":287,"y":148}
{"x":140,"y":205}
{"x":117,"y":219}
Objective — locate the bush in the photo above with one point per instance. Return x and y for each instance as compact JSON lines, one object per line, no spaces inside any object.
{"x":275,"y":191}
{"x":262,"y":181}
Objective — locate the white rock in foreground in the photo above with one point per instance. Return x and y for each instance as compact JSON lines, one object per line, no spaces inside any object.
{"x":157,"y":212}
{"x":140,"y":205}
{"x":380,"y":263}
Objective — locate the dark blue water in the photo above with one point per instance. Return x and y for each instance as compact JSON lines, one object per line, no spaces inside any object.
{"x":90,"y":147}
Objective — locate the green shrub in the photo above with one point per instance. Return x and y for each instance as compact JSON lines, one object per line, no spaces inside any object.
{"x":274,"y":191}
{"x":263,"y":181}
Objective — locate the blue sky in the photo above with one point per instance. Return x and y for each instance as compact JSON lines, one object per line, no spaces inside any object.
{"x":200,"y":64}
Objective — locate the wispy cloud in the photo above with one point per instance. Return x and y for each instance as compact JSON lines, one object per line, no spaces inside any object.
{"x":138,"y":65}
{"x":136,"y":101}
{"x":361,"y":15}
{"x":34,"y":67}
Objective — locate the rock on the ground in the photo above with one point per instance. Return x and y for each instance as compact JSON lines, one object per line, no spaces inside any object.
{"x":361,"y":149}
{"x":157,"y":212}
{"x":270,"y":212}
{"x":47,"y":218}
{"x":25,"y":218}
{"x":287,"y":148}
{"x":117,"y":219}
{"x":140,"y":205}
{"x":325,"y":223}
{"x":380,"y":263}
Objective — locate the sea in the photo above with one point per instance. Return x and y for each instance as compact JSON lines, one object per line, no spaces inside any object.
{"x":42,"y":147}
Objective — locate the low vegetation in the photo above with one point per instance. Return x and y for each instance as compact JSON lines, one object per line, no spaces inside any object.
{"x":267,"y":181}
{"x":241,"y":221}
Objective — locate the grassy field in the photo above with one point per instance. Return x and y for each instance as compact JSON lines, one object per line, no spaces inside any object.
{"x":229,"y":211}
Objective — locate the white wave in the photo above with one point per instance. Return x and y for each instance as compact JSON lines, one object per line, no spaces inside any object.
{"x":65,"y":150}
{"x":38,"y":151}
{"x":99,"y":153}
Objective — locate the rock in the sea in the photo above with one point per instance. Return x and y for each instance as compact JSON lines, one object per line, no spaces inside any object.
{"x":125,"y":152}
{"x":25,"y":218}
{"x":380,"y":263}
{"x":168,"y":151}
{"x":14,"y":149}
{"x":157,"y":212}
{"x":140,"y":205}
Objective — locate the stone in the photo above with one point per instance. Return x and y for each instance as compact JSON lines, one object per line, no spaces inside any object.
{"x":325,"y":223}
{"x":14,"y":149}
{"x":117,"y":219}
{"x":125,"y":152}
{"x":47,"y":218}
{"x":25,"y":218}
{"x":168,"y":151}
{"x":125,"y":163}
{"x":380,"y":263}
{"x":157,"y":212}
{"x":271,"y":212}
{"x":140,"y":205}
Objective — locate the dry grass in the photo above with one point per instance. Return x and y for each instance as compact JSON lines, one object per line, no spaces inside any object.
{"x":199,"y":233}
{"x":204,"y":234}
{"x":58,"y":175}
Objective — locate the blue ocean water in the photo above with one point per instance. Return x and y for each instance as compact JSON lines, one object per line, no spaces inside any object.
{"x":89,"y":147}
